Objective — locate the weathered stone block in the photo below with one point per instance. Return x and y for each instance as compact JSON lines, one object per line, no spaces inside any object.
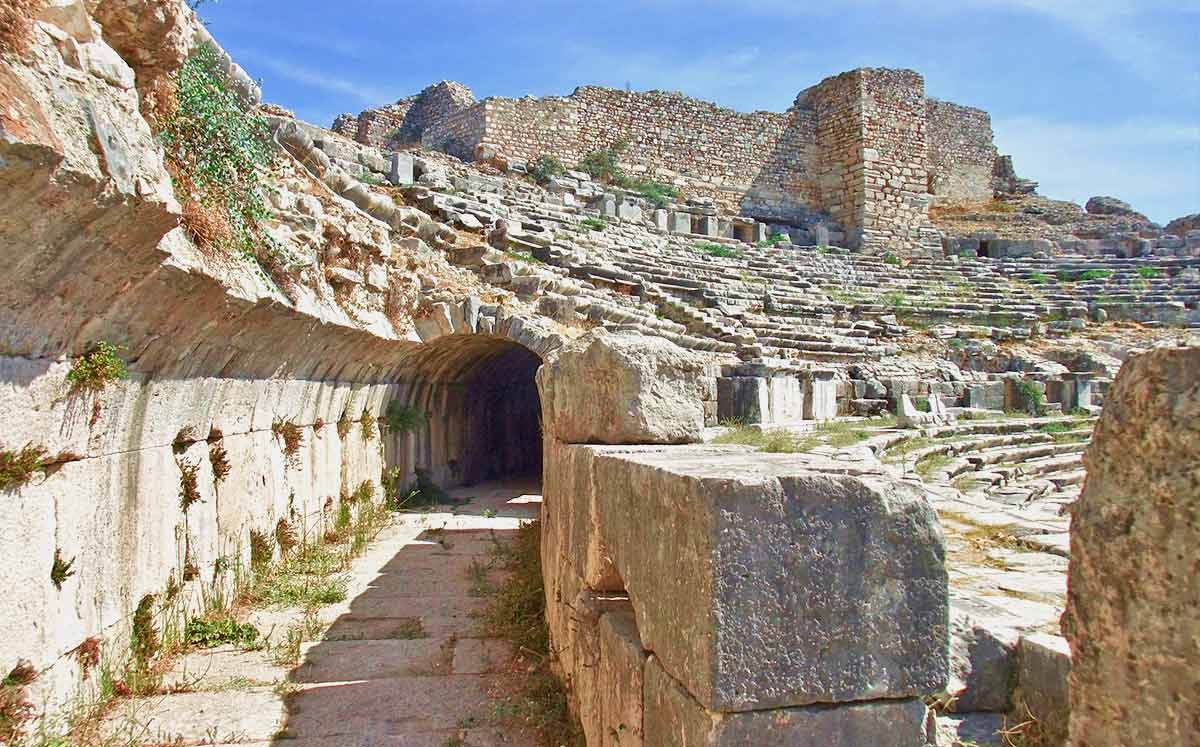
{"x":779,"y":586}
{"x":622,"y":662}
{"x":401,"y":171}
{"x":621,"y":389}
{"x":1133,"y":604}
{"x":745,"y":399}
{"x":1043,"y":668}
{"x":673,"y":717}
{"x":989,"y":396}
{"x":820,"y":395}
{"x":680,"y":222}
{"x":982,"y":663}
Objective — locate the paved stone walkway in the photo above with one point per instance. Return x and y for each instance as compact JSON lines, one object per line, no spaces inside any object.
{"x":364,"y":679}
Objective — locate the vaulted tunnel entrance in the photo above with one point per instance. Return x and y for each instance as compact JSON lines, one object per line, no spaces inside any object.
{"x":478,"y":411}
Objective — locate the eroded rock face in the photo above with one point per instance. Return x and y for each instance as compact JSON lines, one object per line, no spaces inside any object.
{"x":622,"y":389}
{"x":1133,"y":607}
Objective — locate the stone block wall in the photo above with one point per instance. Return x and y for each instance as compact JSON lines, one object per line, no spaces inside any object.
{"x":404,"y":122}
{"x":962,"y":156}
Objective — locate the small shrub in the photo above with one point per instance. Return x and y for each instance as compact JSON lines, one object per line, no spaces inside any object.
{"x":1148,"y":273}
{"x":1066,"y":276}
{"x":368,"y":425}
{"x":262,"y":549}
{"x":372,"y":179}
{"x":285,"y":536}
{"x":774,"y":239}
{"x":17,"y":467}
{"x":1088,"y":275}
{"x":656,"y":193}
{"x":292,"y":437}
{"x":424,"y":492}
{"x":215,"y":149}
{"x":218,"y":457}
{"x":593,"y":224}
{"x":96,"y":368}
{"x":15,"y":708}
{"x":183,"y":439}
{"x":218,"y":632}
{"x":87,"y":654}
{"x":602,"y":164}
{"x":1038,"y":278}
{"x":1031,"y":396}
{"x":143,"y":634}
{"x":400,"y":418}
{"x":894,"y":299}
{"x":1000,"y":206}
{"x":713,"y":249}
{"x":60,"y":570}
{"x":891,"y":259}
{"x":544,"y":167}
{"x":364,"y":493}
{"x":189,"y":485}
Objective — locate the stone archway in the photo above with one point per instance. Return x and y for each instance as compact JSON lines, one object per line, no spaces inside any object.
{"x":474,"y":390}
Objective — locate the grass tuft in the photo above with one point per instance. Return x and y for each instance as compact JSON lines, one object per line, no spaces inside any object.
{"x":292,"y":437}
{"x":18,"y":467}
{"x":189,"y":485}
{"x":207,"y":633}
{"x":714,"y":249}
{"x":60,"y":570}
{"x":96,"y":368}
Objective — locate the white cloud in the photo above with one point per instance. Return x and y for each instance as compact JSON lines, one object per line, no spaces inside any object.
{"x":363,"y":92}
{"x":1154,"y":165}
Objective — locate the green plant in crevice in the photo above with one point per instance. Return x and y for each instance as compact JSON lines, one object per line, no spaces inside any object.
{"x":218,"y":457}
{"x":656,"y":193}
{"x":215,"y":149}
{"x":774,"y":239}
{"x":97,"y":368}
{"x":143,"y":635}
{"x":1149,"y":273}
{"x":602,"y":164}
{"x":60,"y":570}
{"x":292,"y":437}
{"x":343,"y":424}
{"x":593,"y":224}
{"x":714,"y":249}
{"x":222,"y":630}
{"x":262,"y":549}
{"x":1089,"y":275}
{"x":189,"y":485}
{"x":368,"y":425}
{"x":891,"y":259}
{"x":1031,"y":396}
{"x":16,"y":710}
{"x":423,"y":492}
{"x":18,"y":467}
{"x":544,"y":167}
{"x":400,"y":418}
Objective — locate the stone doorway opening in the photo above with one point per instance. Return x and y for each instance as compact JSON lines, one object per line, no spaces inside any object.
{"x":480,"y":407}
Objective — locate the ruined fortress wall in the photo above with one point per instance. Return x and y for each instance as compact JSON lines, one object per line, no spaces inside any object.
{"x":894,"y":152}
{"x":757,"y":161}
{"x":962,"y":155}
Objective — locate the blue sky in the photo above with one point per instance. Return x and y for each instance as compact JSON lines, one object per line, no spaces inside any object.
{"x":1089,"y":96}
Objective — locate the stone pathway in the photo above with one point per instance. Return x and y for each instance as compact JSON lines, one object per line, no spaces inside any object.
{"x":400,"y":662}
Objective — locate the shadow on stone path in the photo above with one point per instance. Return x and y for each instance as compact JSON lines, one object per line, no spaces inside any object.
{"x":402,"y":663}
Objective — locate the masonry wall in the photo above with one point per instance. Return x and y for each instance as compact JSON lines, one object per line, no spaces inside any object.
{"x":758,"y":163}
{"x":961,"y":153}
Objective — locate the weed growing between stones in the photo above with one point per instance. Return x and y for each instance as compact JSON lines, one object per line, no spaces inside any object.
{"x":18,"y":467}
{"x":97,"y":368}
{"x":1031,"y":396}
{"x":262,"y":549}
{"x":1038,"y":278}
{"x":713,"y":249}
{"x":285,"y":537}
{"x":219,"y":631}
{"x":215,"y":149}
{"x":410,"y":628}
{"x":144,"y":643}
{"x":516,"y":611}
{"x":891,"y":259}
{"x":368,"y":425}
{"x":189,"y":485}
{"x":60,"y":570}
{"x":218,"y":457}
{"x":15,"y":708}
{"x":423,"y":492}
{"x":1149,"y":273}
{"x":291,"y":436}
{"x":774,"y":240}
{"x":87,"y":655}
{"x":593,"y":224}
{"x":343,"y":425}
{"x":184,"y":438}
{"x":544,"y":167}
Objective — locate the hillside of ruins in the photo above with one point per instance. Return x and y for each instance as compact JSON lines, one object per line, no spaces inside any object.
{"x":615,"y":418}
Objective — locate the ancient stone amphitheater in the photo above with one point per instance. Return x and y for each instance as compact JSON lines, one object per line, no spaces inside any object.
{"x":818,"y":427}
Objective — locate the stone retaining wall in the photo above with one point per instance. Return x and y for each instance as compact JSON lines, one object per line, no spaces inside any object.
{"x":962,"y":156}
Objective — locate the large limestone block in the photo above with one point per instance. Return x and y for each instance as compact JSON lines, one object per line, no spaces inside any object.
{"x":622,"y":389}
{"x":673,"y":717}
{"x":982,"y":662}
{"x":761,"y":584}
{"x":1133,"y":603}
{"x":621,"y":665}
